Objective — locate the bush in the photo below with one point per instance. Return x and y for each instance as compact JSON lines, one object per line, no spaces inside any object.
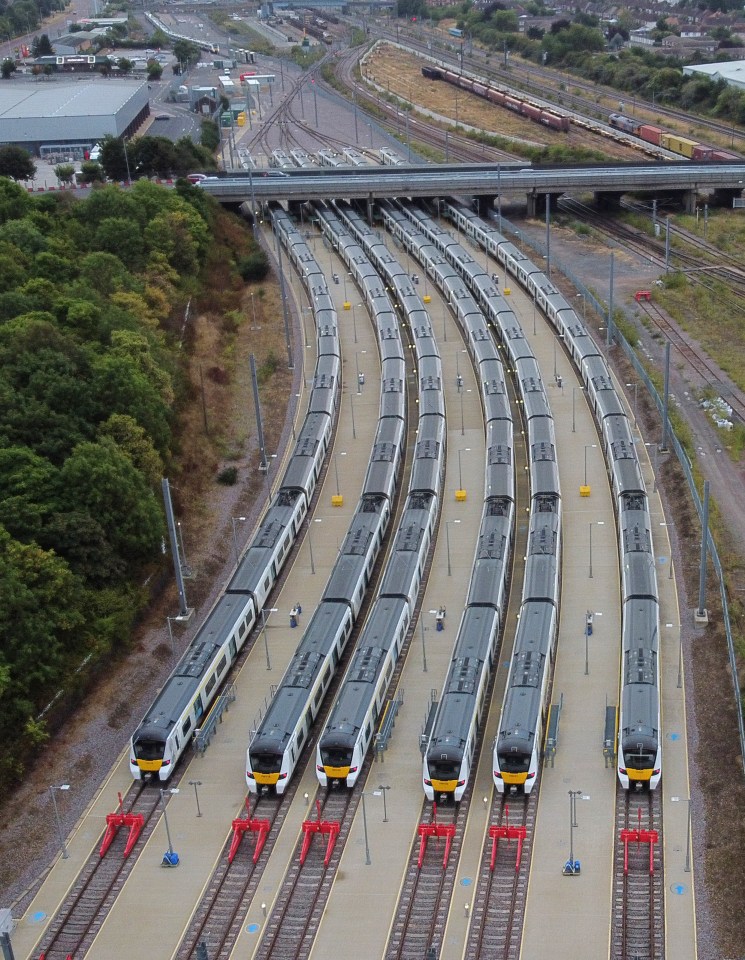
{"x":254,"y":267}
{"x":228,"y":476}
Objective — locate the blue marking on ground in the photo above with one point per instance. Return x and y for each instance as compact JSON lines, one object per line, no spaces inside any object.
{"x":253,"y":928}
{"x":38,"y":916}
{"x":466,"y":882}
{"x":673,"y":736}
{"x":679,"y":888}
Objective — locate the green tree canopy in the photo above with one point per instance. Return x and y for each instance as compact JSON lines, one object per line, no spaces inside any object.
{"x":16,"y":163}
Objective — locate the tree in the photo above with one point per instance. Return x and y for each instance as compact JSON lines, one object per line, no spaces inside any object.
{"x":125,"y":66}
{"x":64,"y":172}
{"x":210,"y":135}
{"x":16,"y":163}
{"x":154,"y":70}
{"x":113,"y":158}
{"x":91,"y":172}
{"x":8,"y":68}
{"x":101,"y":480}
{"x":186,"y":52}
{"x":42,"y":46}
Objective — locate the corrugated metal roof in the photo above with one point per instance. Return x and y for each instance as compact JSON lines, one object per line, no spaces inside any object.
{"x":54,"y":99}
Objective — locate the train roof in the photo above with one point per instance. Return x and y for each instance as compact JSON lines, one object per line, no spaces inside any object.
{"x":349,"y":711}
{"x":290,"y":700}
{"x":179,"y":688}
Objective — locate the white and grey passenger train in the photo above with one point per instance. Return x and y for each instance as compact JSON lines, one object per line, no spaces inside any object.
{"x":186,"y":696}
{"x":277,"y":743}
{"x":478,"y":306}
{"x":351,"y":725}
{"x":639,"y":756}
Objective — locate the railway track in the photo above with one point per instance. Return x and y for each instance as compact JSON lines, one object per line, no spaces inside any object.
{"x":290,"y":929}
{"x":98,"y":884}
{"x":730,"y":273}
{"x":500,"y":898}
{"x":638,"y":920}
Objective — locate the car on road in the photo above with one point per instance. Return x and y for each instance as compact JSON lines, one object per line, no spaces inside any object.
{"x":196,"y":177}
{"x":162,"y":116}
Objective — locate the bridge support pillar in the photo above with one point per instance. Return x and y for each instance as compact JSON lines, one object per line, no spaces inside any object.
{"x":371,"y":210}
{"x":485,"y":205}
{"x":689,"y":201}
{"x":537,"y":203}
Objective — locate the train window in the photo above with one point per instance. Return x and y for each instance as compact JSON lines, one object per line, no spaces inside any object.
{"x":266,"y":583}
{"x":222,"y":664}
{"x":210,"y":684}
{"x":368,"y":731}
{"x":198,"y":707}
{"x":300,"y":740}
{"x":326,"y":676}
{"x":389,"y":671}
{"x":186,"y":726}
{"x":242,"y":629}
{"x":233,"y":649}
{"x":318,"y":696}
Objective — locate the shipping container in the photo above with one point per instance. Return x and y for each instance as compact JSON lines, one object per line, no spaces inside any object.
{"x":649,"y":133}
{"x":681,"y":145}
{"x":701,"y":152}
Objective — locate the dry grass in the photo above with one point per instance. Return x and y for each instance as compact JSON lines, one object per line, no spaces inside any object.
{"x":401,"y":75}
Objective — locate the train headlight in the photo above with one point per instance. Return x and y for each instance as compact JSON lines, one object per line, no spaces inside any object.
{"x":283,"y":776}
{"x":530,"y":776}
{"x":353,"y":769}
{"x":622,"y":770}
{"x":461,"y":783}
{"x":427,"y":783}
{"x":497,"y":774}
{"x":319,"y":767}
{"x":250,"y":775}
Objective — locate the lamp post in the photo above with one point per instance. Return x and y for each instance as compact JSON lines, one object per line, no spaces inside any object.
{"x":60,"y":835}
{"x":196,"y":784}
{"x":588,"y":446}
{"x":310,"y":545}
{"x":584,"y":307}
{"x":574,"y":422}
{"x":447,"y":541}
{"x":368,"y":861}
{"x":688,"y":832}
{"x":460,"y":468}
{"x":235,"y":520}
{"x":600,"y":523}
{"x":635,"y":385}
{"x":383,"y":790}
{"x":424,"y":646}
{"x":354,"y":319}
{"x":170,"y":858}
{"x":360,"y":377}
{"x":264,"y":612}
{"x":573,"y":794}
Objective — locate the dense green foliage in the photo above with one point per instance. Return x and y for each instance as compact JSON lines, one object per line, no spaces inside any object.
{"x":89,"y":381}
{"x":16,"y":163}
{"x":152,"y":157}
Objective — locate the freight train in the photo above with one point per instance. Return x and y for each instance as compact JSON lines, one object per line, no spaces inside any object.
{"x":502,"y":98}
{"x":691,"y":149}
{"x":185,"y":698}
{"x":639,"y":756}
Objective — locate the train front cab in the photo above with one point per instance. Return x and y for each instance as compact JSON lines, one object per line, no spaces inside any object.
{"x":640,"y":769}
{"x":265,"y":773}
{"x":445,"y":779}
{"x":515,"y":771}
{"x":336,"y":764}
{"x":150,"y":755}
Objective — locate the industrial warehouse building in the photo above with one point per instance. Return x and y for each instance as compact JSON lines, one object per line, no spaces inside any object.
{"x":65,"y":117}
